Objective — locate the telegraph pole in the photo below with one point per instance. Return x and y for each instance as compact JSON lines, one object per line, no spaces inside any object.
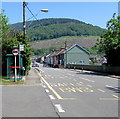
{"x":21,"y":46}
{"x":65,"y":44}
{"x":24,"y":20}
{"x":66,"y":53}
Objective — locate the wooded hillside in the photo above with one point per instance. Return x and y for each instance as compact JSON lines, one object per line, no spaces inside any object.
{"x":56,"y":27}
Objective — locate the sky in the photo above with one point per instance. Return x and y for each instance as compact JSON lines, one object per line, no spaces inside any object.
{"x":95,"y":13}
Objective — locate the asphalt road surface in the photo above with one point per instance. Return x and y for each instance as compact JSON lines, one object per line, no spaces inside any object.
{"x":81,"y":94}
{"x":62,"y":93}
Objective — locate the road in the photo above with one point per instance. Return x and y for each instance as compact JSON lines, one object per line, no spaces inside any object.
{"x":53,"y":92}
{"x":81,"y":94}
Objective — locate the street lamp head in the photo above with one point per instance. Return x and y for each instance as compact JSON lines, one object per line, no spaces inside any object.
{"x":44,"y":10}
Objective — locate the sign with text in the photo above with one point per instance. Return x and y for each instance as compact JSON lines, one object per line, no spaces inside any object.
{"x":21,"y":47}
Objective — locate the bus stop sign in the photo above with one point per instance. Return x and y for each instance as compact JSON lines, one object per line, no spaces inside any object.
{"x":15,"y":52}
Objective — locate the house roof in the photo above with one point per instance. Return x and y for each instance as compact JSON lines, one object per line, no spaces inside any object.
{"x":55,"y":53}
{"x":59,"y":52}
{"x":78,"y":47}
{"x":48,"y":55}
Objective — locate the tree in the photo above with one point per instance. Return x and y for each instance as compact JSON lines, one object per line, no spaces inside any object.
{"x":27,"y":50}
{"x":11,"y":38}
{"x":4,"y":27}
{"x":110,"y":41}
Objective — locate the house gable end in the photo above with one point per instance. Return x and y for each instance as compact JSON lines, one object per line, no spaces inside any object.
{"x":76,"y":47}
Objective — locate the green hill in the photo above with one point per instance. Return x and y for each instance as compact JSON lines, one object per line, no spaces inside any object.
{"x":57,"y":27}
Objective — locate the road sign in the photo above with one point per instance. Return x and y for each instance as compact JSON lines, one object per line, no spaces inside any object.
{"x":21,"y":47}
{"x":15,"y":52}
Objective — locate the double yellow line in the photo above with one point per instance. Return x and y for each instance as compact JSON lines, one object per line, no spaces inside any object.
{"x":48,"y":85}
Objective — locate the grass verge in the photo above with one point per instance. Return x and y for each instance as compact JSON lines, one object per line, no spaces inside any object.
{"x":4,"y":81}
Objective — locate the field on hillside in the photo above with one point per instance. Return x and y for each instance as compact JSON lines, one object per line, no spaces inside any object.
{"x":86,"y":42}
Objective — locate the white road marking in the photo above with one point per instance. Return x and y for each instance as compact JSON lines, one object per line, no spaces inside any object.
{"x":74,"y":79}
{"x":113,"y":78}
{"x":44,"y":86}
{"x":87,"y":79}
{"x":71,"y":74}
{"x":41,"y":70}
{"x":109,"y":86}
{"x":59,"y":108}
{"x":89,"y":85}
{"x":52,"y":97}
{"x":112,"y":87}
{"x":72,"y":84}
{"x":100,"y":90}
{"x":47,"y":90}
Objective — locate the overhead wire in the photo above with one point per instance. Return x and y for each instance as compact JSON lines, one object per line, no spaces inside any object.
{"x":31,"y":12}
{"x":32,"y":15}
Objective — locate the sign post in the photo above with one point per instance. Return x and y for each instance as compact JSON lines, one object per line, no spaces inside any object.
{"x":21,"y":48}
{"x":15,"y":70}
{"x":15,"y":53}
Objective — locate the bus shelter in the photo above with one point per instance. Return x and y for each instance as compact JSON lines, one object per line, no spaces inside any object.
{"x":11,"y":66}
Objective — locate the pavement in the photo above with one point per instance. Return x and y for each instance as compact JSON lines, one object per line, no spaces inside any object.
{"x":27,"y":100}
{"x":32,"y":78}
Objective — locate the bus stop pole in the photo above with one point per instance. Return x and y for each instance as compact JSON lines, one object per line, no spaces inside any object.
{"x":15,"y":70}
{"x":19,"y":63}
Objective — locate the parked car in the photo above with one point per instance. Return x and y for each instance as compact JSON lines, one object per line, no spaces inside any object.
{"x":35,"y":65}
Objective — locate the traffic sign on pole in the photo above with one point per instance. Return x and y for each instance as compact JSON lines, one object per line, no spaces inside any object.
{"x":15,"y":52}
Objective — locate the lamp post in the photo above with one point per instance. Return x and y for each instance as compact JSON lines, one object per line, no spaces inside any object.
{"x":24,"y":20}
{"x":66,"y":53}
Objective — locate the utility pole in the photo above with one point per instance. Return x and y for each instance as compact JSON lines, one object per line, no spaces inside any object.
{"x":24,"y":20}
{"x":65,"y":44}
{"x":66,"y":53}
{"x":24,"y":35}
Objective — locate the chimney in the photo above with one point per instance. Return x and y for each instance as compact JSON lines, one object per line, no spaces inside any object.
{"x":62,"y":48}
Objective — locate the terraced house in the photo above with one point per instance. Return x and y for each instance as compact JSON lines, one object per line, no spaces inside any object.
{"x":72,"y":55}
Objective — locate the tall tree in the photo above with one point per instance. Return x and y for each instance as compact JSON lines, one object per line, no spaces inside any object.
{"x":110,"y":41}
{"x":11,"y":39}
{"x":27,"y":50}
